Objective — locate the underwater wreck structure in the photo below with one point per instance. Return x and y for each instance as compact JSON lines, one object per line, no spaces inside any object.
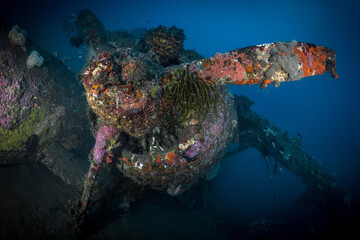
{"x":168,"y":125}
{"x":163,"y":120}
{"x":39,"y":106}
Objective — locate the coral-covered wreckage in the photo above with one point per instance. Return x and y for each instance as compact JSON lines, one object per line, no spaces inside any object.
{"x":161,"y":125}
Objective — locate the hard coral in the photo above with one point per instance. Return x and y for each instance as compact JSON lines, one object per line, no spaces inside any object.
{"x":194,"y":151}
{"x":166,"y":43}
{"x":118,"y":89}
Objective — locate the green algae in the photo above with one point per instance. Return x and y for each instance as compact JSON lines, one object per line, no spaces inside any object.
{"x":15,"y":140}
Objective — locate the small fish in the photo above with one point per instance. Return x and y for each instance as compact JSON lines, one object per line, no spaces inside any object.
{"x":177,"y":190}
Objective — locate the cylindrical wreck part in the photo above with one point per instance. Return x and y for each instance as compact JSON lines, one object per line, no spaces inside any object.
{"x":267,"y":63}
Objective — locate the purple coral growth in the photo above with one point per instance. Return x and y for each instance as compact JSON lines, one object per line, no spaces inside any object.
{"x":18,"y":89}
{"x":15,"y":100}
{"x":104,"y":134}
{"x":7,"y":59}
{"x":193,"y":151}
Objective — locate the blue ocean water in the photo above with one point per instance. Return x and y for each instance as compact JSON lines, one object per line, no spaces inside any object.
{"x":325,"y":111}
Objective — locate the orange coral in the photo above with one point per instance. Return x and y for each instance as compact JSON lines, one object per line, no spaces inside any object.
{"x":250,"y":65}
{"x":158,"y":158}
{"x":126,"y":161}
{"x":171,"y":157}
{"x":249,"y":68}
{"x":138,"y":95}
{"x":313,"y":59}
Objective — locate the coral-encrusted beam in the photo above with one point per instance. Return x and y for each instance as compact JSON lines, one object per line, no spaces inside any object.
{"x":105,"y":134}
{"x":89,"y":184}
{"x":267,"y":63}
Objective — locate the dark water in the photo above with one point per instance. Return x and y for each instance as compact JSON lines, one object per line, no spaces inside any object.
{"x":325,"y":111}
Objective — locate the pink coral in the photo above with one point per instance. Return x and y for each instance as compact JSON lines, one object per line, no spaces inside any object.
{"x":104,"y":134}
{"x":227,"y":66}
{"x":310,"y":59}
{"x":15,"y":100}
{"x":128,"y":69}
{"x":193,"y":151}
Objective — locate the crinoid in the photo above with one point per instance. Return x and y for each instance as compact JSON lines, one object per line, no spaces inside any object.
{"x":189,"y":96}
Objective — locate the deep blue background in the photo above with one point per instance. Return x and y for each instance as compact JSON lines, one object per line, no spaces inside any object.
{"x":324,"y":110}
